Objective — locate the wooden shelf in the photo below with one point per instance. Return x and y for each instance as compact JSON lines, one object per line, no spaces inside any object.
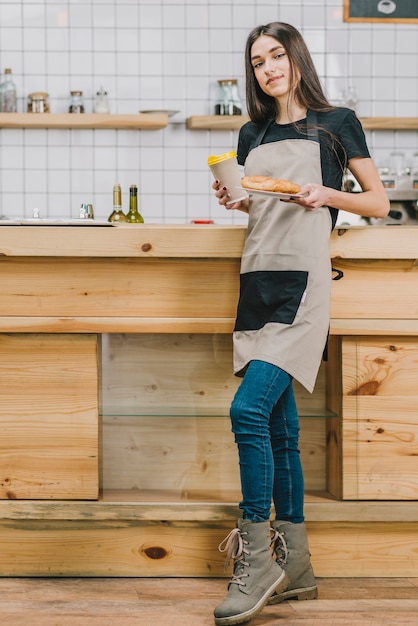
{"x":389,"y":123}
{"x":216,"y":122}
{"x":154,"y":121}
{"x":234,"y":122}
{"x":147,"y":121}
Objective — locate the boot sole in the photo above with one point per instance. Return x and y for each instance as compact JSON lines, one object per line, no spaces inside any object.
{"x":232,"y":620}
{"x":306,"y":593}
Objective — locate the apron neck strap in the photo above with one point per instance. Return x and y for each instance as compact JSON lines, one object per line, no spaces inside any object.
{"x":263,"y":130}
{"x":312,"y":128}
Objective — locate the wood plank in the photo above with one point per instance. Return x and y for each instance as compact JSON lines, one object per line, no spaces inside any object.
{"x":374,"y":327}
{"x":353,"y":549}
{"x":216,"y":122}
{"x":374,"y":242}
{"x":375,"y":289}
{"x":234,"y":122}
{"x":121,"y":288}
{"x":149,"y":121}
{"x":190,"y":240}
{"x":374,"y":366}
{"x":141,"y":506}
{"x":209,"y":325}
{"x":49,"y":416}
{"x":190,"y":602}
{"x":123,"y":240}
{"x":380,"y":434}
{"x":76,"y":324}
{"x":389,"y":123}
{"x":118,"y":548}
{"x":380,"y":448}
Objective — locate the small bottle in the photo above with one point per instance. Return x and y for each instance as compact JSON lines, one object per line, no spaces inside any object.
{"x":133,"y":216}
{"x":117,"y":214}
{"x":8,"y":93}
{"x":228,"y":101}
{"x":76,"y":102}
{"x":101,"y":104}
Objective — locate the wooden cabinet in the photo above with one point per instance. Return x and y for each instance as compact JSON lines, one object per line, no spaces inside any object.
{"x":116,"y":380}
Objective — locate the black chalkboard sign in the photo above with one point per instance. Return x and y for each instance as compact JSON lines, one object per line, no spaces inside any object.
{"x":381,"y":11}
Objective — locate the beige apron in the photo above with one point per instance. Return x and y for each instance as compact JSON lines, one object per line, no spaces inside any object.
{"x":283,"y":311}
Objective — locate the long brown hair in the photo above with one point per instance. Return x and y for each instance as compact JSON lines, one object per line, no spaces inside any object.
{"x":303,"y":75}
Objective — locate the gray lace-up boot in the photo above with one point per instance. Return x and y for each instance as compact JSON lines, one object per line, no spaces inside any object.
{"x":256,"y":574}
{"x":292,"y":554}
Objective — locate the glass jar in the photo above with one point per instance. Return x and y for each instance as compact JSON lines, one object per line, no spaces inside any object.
{"x":76,"y":102}
{"x":228,"y":100}
{"x":38,"y":102}
{"x":101,"y":104}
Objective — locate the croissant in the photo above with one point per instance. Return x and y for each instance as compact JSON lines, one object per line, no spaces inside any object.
{"x":265,"y":183}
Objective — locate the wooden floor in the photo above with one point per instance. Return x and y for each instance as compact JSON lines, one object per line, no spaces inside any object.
{"x":190,"y":602}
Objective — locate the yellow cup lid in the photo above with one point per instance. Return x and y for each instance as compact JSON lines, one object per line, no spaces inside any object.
{"x":213,"y":159}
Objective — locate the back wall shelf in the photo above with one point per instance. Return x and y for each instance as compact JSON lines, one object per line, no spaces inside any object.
{"x":146,"y":121}
{"x":234,"y":122}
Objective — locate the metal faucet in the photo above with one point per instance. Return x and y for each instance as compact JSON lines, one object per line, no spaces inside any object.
{"x":86,"y":212}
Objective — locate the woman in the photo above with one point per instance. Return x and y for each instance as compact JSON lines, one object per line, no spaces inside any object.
{"x":283,"y":312}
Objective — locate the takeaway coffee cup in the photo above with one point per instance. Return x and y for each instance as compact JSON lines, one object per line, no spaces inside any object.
{"x":225,"y":169}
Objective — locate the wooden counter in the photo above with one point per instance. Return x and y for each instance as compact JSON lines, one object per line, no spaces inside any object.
{"x":115,"y":369}
{"x":165,"y":278}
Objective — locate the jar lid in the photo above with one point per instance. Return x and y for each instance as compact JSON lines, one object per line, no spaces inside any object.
{"x":228,"y":81}
{"x":212,"y":160}
{"x":38,"y":95}
{"x":76,"y":93}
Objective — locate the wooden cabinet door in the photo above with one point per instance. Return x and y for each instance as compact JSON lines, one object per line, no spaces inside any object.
{"x":379,"y":418}
{"x":49,"y":416}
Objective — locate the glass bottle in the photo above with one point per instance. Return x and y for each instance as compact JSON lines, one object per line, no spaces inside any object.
{"x":117,"y":214}
{"x":133,"y":216}
{"x":228,"y":100}
{"x":101,"y":104}
{"x":8,"y":102}
{"x":76,"y":102}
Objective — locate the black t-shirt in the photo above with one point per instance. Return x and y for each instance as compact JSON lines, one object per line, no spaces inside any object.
{"x":341,"y":138}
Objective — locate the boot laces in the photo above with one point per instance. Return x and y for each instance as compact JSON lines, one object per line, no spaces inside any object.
{"x":279,"y":547}
{"x":234,"y":547}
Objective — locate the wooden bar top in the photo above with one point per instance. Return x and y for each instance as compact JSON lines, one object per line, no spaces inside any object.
{"x":190,"y":241}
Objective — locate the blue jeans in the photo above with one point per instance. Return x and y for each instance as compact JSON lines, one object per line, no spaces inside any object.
{"x":265,"y":423}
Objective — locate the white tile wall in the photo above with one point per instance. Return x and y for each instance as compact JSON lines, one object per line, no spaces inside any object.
{"x":153,"y":54}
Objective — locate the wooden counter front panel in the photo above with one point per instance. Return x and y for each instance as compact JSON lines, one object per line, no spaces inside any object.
{"x":119,"y":287}
{"x":375,"y":289}
{"x":380,"y":418}
{"x":48,"y":417}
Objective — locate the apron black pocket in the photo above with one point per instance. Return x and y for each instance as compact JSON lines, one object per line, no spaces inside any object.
{"x":269,"y":296}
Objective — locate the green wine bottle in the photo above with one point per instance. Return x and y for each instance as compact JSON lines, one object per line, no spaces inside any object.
{"x":133,"y":216}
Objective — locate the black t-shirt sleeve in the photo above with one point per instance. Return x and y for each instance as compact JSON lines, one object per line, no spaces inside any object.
{"x":352,"y":136}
